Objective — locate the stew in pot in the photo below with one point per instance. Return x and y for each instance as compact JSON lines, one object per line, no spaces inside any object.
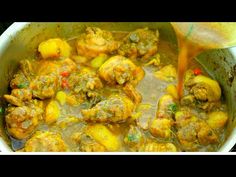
{"x":112,"y":91}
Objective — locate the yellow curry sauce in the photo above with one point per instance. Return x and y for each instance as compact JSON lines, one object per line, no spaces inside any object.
{"x":112,"y":91}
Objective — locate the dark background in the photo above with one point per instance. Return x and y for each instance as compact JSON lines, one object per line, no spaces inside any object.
{"x":5,"y":25}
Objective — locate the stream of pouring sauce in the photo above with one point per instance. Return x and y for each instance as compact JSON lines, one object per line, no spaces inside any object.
{"x":195,"y":38}
{"x":187,"y":51}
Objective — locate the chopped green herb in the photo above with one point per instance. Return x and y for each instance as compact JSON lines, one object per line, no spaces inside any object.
{"x":1,"y":110}
{"x":172,"y":108}
{"x":132,"y":137}
{"x":22,"y":85}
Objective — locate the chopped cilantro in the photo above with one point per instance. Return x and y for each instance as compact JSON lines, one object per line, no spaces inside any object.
{"x":1,"y":110}
{"x":172,"y":108}
{"x":132,"y":137}
{"x":22,"y":85}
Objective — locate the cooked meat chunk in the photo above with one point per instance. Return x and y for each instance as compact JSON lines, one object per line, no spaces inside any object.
{"x":84,"y":82}
{"x":206,"y":135}
{"x":188,"y":100}
{"x":141,"y":43}
{"x":132,"y":93}
{"x":183,"y":117}
{"x":27,"y":69}
{"x":134,"y":138}
{"x":205,"y":89}
{"x":193,"y":132}
{"x":44,"y":86}
{"x":96,"y":41}
{"x":187,"y":136}
{"x":87,"y":85}
{"x":22,"y":121}
{"x":189,"y":75}
{"x":18,"y":96}
{"x":45,"y":142}
{"x":114,"y":109}
{"x":23,"y":76}
{"x":56,"y":67}
{"x":19,"y":81}
{"x":120,"y":70}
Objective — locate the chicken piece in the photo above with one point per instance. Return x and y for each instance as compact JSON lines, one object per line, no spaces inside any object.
{"x":217,"y":119}
{"x":166,"y":107}
{"x":48,"y":67}
{"x":168,"y":73}
{"x":18,"y":96}
{"x":132,"y":93}
{"x":134,"y":138}
{"x":96,"y":41}
{"x":205,"y":93}
{"x":206,"y":135}
{"x":23,"y":77}
{"x":187,"y":136}
{"x":44,"y":86}
{"x":193,"y":132}
{"x":45,"y":142}
{"x":114,"y":109}
{"x":161,"y":128}
{"x":188,"y":100}
{"x":84,"y":82}
{"x":120,"y":70}
{"x":191,"y":101}
{"x":205,"y":89}
{"x":27,"y":69}
{"x":188,"y":76}
{"x":67,"y":65}
{"x":103,"y":136}
{"x":87,"y":84}
{"x":184,"y":117}
{"x":19,"y":81}
{"x":141,"y":43}
{"x":22,"y":121}
{"x":158,"y":147}
{"x":54,"y":48}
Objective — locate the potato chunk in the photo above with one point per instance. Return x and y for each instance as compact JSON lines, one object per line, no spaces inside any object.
{"x":52,"y":112}
{"x":54,"y":48}
{"x":217,"y":119}
{"x":103,"y":135}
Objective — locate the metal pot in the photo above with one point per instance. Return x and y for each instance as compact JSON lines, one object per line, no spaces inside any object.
{"x":20,"y":40}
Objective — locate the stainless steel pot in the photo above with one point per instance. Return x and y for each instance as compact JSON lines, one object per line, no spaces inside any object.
{"x":20,"y":40}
